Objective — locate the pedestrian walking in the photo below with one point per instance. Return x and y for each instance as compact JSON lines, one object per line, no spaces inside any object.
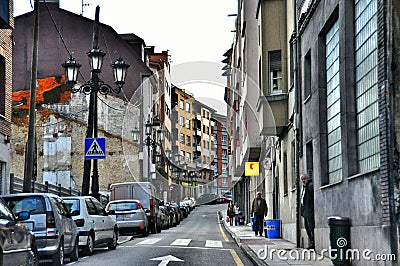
{"x":260,"y":209}
{"x":236,"y":210}
{"x":307,"y":208}
{"x":230,"y":212}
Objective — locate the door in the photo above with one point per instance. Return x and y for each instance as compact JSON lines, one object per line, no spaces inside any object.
{"x":95,"y":218}
{"x":107,"y":221}
{"x":65,"y":225}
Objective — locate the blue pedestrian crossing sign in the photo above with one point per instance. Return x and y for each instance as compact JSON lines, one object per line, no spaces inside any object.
{"x":95,"y":148}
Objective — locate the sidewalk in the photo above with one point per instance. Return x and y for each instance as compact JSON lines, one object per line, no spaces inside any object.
{"x":268,"y":249}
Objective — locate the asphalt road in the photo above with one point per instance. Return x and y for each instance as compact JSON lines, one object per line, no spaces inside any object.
{"x":199,"y":240}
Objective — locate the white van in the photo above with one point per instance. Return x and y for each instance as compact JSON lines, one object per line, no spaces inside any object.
{"x":145,"y":192}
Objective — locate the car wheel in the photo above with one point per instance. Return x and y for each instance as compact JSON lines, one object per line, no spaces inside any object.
{"x":146,"y":231}
{"x":88,"y":249}
{"x":58,"y":258}
{"x":74,"y":254}
{"x":113,"y":244}
{"x":154,"y":228}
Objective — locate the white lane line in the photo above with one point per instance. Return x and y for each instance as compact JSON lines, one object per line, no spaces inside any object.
{"x":213,"y":244}
{"x":181,"y":242}
{"x":149,"y":241}
{"x":180,"y":247}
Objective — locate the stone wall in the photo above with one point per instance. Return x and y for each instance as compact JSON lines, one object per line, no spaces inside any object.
{"x":122,"y":156}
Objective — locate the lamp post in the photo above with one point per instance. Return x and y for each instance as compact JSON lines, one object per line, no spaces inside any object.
{"x":94,"y":86}
{"x":150,"y":142}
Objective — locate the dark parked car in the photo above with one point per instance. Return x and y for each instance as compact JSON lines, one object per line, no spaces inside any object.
{"x":55,"y":231}
{"x":17,"y":242}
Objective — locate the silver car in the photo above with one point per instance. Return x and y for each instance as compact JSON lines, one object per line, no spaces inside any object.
{"x":130,"y":215}
{"x":55,"y":232}
{"x":95,"y":225}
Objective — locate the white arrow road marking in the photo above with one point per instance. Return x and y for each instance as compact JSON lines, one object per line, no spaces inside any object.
{"x":149,"y":241}
{"x":166,"y":259}
{"x":181,"y":242}
{"x":213,"y":244}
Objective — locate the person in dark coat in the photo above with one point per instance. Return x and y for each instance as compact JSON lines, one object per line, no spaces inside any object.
{"x":260,"y":209}
{"x":307,"y":208}
{"x":230,"y":212}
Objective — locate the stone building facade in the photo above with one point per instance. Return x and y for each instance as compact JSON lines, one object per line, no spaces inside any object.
{"x":6,"y":43}
{"x":60,"y":151}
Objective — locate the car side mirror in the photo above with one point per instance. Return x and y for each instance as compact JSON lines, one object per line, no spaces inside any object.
{"x":147,"y":211}
{"x":24,"y":215}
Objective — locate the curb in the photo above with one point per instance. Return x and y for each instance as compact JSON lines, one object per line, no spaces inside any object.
{"x":246,"y":249}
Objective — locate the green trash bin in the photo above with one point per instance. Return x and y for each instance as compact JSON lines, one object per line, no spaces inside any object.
{"x":339,"y":237}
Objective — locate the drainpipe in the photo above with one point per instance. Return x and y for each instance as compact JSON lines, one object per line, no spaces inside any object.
{"x":297,"y":121}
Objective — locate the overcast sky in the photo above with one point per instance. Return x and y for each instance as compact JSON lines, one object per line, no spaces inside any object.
{"x":191,"y":30}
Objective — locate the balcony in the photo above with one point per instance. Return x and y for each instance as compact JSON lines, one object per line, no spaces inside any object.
{"x":273,"y":114}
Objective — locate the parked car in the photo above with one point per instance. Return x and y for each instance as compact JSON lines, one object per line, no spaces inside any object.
{"x":184,"y":209}
{"x":130,"y":215}
{"x":55,"y":231}
{"x":94,"y":224}
{"x":165,"y":218}
{"x":17,"y":242}
{"x":146,"y":193}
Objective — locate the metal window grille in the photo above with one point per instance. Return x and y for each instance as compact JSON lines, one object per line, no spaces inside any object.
{"x":366,"y":55}
{"x":333,"y":104}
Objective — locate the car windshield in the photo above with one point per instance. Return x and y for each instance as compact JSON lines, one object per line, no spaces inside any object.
{"x":72,"y":206}
{"x":33,"y":204}
{"x":123,"y":206}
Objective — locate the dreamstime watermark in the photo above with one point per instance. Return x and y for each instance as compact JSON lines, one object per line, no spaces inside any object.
{"x":340,"y":253}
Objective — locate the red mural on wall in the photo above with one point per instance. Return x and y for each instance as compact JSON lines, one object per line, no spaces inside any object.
{"x":49,"y":90}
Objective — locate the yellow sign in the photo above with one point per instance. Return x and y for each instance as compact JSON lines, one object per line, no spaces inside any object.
{"x":251,"y":169}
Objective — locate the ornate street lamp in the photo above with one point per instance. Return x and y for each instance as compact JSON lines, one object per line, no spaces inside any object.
{"x":71,"y":70}
{"x":92,"y":87}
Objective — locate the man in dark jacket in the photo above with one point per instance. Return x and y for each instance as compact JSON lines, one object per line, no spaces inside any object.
{"x":260,"y":209}
{"x":307,"y":208}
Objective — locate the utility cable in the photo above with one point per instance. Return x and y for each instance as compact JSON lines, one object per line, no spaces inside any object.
{"x":61,"y":37}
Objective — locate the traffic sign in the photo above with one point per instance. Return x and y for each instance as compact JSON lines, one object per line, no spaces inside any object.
{"x":95,"y":148}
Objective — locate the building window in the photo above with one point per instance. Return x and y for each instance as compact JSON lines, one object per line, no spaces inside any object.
{"x":188,"y":124}
{"x":181,"y":121}
{"x":188,"y":157}
{"x":291,"y":65}
{"x":366,"y":84}
{"x":275,"y":70}
{"x":188,"y":141}
{"x":333,"y":105}
{"x":2,"y":86}
{"x":224,"y":140}
{"x":188,"y":107}
{"x":285,"y":175}
{"x":307,"y":75}
{"x":182,"y":138}
{"x":181,"y":104}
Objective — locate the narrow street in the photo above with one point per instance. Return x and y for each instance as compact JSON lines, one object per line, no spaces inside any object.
{"x":199,"y":240}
